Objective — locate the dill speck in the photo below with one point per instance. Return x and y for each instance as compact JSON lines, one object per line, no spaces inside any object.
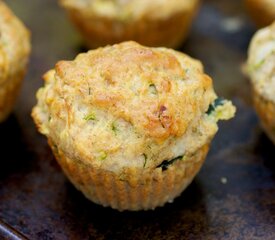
{"x":166,"y":163}
{"x":217,"y":102}
{"x":90,"y":116}
{"x":145,"y":159}
{"x":114,"y":127}
{"x":153,"y":89}
{"x":103,"y":155}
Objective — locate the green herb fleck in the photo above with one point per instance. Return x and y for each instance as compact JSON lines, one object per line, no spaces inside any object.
{"x":89,"y":117}
{"x":166,"y":163}
{"x":214,"y":105}
{"x":260,"y":63}
{"x":114,"y":127}
{"x":103,"y":155}
{"x":145,"y":159}
{"x":153,"y":89}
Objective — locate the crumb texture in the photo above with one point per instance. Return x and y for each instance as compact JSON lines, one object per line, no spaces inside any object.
{"x":128,"y":106}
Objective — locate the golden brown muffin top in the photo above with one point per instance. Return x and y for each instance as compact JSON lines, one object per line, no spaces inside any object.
{"x":14,"y":43}
{"x":261,"y":61}
{"x":130,"y":9}
{"x":159,"y":91}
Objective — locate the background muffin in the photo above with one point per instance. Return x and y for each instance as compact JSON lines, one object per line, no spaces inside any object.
{"x":262,"y":11}
{"x":261,"y":67}
{"x":14,"y":53}
{"x":130,"y":125}
{"x":152,"y":23}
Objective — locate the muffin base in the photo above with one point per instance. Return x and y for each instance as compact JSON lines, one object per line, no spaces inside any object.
{"x":266,"y":112}
{"x":8,"y":93}
{"x":100,"y":31}
{"x":133,"y":189}
{"x":261,"y":13}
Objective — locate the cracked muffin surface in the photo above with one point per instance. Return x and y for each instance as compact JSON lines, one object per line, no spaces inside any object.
{"x":128,"y":107}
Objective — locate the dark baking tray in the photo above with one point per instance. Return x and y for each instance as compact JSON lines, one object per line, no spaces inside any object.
{"x":38,"y":202}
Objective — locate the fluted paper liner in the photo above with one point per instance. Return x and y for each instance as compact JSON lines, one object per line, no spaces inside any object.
{"x":133,"y":189}
{"x":167,"y":32}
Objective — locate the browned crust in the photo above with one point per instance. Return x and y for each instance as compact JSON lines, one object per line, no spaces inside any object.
{"x":133,"y":189}
{"x":266,"y":111}
{"x":168,"y":32}
{"x":8,"y":94}
{"x":14,"y":53}
{"x":261,"y":12}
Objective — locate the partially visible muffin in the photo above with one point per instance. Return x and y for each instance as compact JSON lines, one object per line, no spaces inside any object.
{"x":152,"y":23}
{"x":130,"y":125}
{"x":261,"y":11}
{"x":261,"y":69}
{"x":14,"y":53}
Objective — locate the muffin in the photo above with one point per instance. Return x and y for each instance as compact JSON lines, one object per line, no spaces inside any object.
{"x":261,"y":69}
{"x":152,"y":23}
{"x":130,"y":125}
{"x":14,"y":53}
{"x":261,"y":11}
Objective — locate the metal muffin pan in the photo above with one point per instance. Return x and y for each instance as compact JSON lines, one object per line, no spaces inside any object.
{"x":233,"y":196}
